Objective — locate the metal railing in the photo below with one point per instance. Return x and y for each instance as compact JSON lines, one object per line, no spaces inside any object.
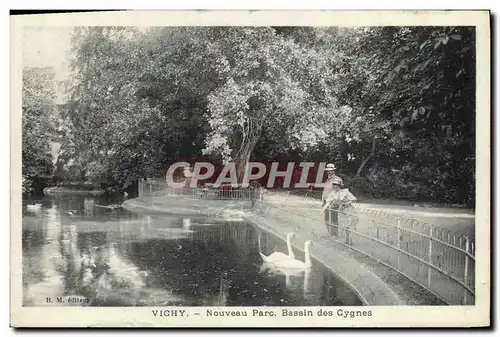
{"x":158,"y":187}
{"x":439,"y":260}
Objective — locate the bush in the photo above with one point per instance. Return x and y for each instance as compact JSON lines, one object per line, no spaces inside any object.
{"x":359,"y":186}
{"x":27,"y":185}
{"x":398,"y":186}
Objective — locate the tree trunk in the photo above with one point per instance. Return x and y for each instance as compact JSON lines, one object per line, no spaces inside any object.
{"x":250,"y":135}
{"x":370,"y":156}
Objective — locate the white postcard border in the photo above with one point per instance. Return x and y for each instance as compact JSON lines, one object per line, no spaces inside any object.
{"x":400,"y":316}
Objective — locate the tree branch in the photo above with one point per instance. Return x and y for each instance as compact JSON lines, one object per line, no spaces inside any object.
{"x":370,"y":156}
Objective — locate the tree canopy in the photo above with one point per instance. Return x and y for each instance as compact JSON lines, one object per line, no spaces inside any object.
{"x":38,"y":124}
{"x":393,"y":107}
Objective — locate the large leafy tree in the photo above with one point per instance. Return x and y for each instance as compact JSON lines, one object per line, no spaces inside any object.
{"x":104,"y":111}
{"x":267,"y":84}
{"x":135,"y":105}
{"x":415,"y":88}
{"x":431,"y":78}
{"x":140,"y":93}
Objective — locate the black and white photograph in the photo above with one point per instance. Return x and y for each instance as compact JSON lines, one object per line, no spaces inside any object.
{"x":261,"y":173}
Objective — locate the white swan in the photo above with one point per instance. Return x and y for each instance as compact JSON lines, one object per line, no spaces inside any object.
{"x":291,"y":265}
{"x":278,"y":256}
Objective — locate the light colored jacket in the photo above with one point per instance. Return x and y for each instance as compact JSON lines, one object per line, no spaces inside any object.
{"x":341,"y":195}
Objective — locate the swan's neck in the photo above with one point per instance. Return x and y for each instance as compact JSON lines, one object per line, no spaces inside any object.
{"x":289,"y":246}
{"x":307,"y":256}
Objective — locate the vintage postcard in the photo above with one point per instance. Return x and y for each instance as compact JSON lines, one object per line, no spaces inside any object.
{"x":250,"y":169}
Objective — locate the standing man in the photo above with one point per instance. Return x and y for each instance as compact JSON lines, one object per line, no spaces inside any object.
{"x":327,"y":190}
{"x":330,"y":207}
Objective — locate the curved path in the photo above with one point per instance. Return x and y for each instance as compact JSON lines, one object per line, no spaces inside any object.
{"x":457,"y":220}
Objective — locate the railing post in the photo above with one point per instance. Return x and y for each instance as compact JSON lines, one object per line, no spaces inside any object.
{"x":140,"y":187}
{"x":466,"y":269}
{"x":398,"y":254}
{"x":429,"y":270}
{"x":329,"y":221}
{"x":348,"y":232}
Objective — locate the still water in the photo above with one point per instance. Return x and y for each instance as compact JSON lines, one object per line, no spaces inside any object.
{"x":76,"y":252}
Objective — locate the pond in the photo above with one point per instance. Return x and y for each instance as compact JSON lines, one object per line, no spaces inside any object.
{"x":78,"y":252}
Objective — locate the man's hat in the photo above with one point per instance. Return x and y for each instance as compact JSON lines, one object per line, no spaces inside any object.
{"x":330,"y":167}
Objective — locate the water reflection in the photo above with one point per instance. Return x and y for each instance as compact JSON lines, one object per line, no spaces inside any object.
{"x":89,"y":204}
{"x":109,"y":257}
{"x":43,"y":266}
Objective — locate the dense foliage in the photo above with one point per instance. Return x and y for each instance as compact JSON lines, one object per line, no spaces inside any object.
{"x":393,"y":107}
{"x":420,"y":84}
{"x":38,"y":124}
